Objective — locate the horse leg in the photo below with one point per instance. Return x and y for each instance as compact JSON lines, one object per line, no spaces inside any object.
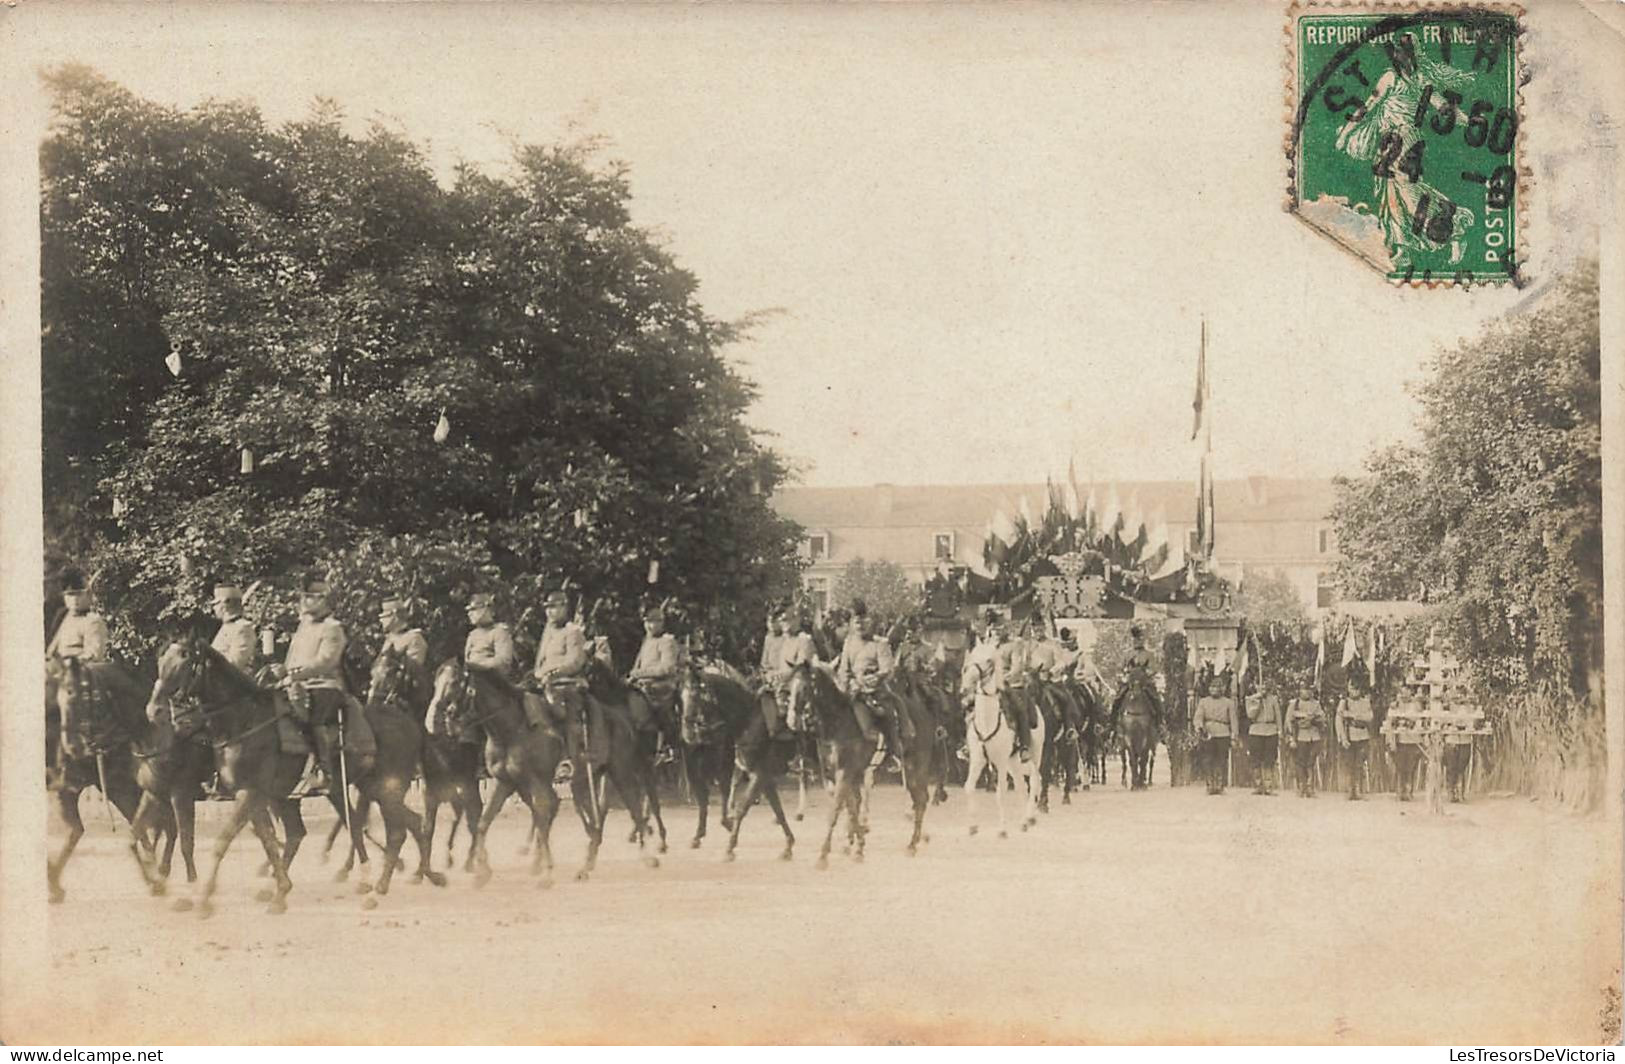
{"x":184,"y":805}
{"x":451,"y":837}
{"x":978,"y":759}
{"x":735,"y":775}
{"x":139,"y":845}
{"x":586,"y":800}
{"x":333,"y":834}
{"x":628,"y":776}
{"x":431,"y":812}
{"x":743,"y":800}
{"x":67,"y":803}
{"x":700,"y":786}
{"x":651,"y":792}
{"x":1003,"y":778}
{"x":801,"y":779}
{"x":276,"y":857}
{"x":835,"y":810}
{"x":771,"y":790}
{"x":292,"y":819}
{"x":544,"y":806}
{"x":243,"y":807}
{"x":470,"y":808}
{"x":398,"y":820}
{"x":919,"y":789}
{"x":482,"y":860}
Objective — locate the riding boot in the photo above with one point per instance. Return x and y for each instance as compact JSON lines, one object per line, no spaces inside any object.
{"x":770,"y":714}
{"x":866,"y":719}
{"x":1024,"y":729}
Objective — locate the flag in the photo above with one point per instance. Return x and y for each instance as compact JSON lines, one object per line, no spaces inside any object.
{"x":1091,"y":515}
{"x":1133,"y":521}
{"x":1073,"y":509}
{"x":1199,"y":404}
{"x":1242,"y":661}
{"x":1156,"y":541}
{"x":442,"y":428}
{"x":1001,"y":535}
{"x":1111,"y":514}
{"x":1027,"y":512}
{"x":1320,"y":650}
{"x":173,"y":361}
{"x":1351,"y":648}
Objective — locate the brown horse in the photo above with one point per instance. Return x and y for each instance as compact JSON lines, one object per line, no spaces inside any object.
{"x":842,"y":746}
{"x":1139,"y":735}
{"x":627,"y":764}
{"x":397,"y":693}
{"x":720,"y":713}
{"x":521,"y":759}
{"x":611,"y":691}
{"x":99,"y":714}
{"x":920,"y":754}
{"x":240,"y":722}
{"x":709,"y":722}
{"x":1065,"y":720}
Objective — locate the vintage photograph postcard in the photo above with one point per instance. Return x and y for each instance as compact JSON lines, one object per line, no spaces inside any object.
{"x":786,"y":523}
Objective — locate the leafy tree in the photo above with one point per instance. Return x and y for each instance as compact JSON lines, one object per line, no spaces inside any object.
{"x":882,"y":585}
{"x":330,"y":302}
{"x":1269,"y":597}
{"x":1496,"y":515}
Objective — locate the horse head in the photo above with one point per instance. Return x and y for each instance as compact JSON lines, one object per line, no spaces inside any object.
{"x":190,"y":674}
{"x":449,"y":689}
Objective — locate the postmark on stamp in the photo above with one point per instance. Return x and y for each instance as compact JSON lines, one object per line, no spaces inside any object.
{"x":1404,"y":142}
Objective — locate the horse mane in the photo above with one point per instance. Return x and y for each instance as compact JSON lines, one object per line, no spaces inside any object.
{"x":235,"y":677}
{"x":602,"y":681}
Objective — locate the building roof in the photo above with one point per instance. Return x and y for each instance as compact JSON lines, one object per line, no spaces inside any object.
{"x":946,"y":506}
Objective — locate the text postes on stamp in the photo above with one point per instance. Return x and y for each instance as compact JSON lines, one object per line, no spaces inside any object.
{"x":1404,"y":140}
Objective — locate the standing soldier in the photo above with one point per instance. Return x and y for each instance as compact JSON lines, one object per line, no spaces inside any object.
{"x":236,"y":641}
{"x":314,"y":671}
{"x":654,"y":673}
{"x":1304,"y":720}
{"x":82,"y":633}
{"x":865,"y":664}
{"x":1458,"y":756}
{"x":1264,"y":737}
{"x":561,"y":665}
{"x":1353,"y":726}
{"x":1406,"y":743}
{"x":1217,"y":728}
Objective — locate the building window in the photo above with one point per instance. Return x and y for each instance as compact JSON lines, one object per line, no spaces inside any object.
{"x":1325,"y":590}
{"x":942,"y":547}
{"x":818,"y":594}
{"x":1325,"y":540}
{"x":818,"y":546}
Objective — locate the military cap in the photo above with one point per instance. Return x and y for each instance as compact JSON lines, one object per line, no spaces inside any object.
{"x":316,"y":586}
{"x":654,"y":609}
{"x":393,"y":604}
{"x":482,"y":600}
{"x":73,"y":581}
{"x":556,"y":597}
{"x":228,"y":593}
{"x":860,"y":608}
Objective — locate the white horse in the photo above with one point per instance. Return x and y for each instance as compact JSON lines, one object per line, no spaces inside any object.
{"x":992,"y":740}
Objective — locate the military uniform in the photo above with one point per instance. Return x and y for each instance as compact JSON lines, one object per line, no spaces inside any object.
{"x":410,"y":643}
{"x":238,"y":643}
{"x":1307,"y":730}
{"x":1407,"y":749}
{"x":1263,"y":739}
{"x":1139,"y":670}
{"x":865,"y":664}
{"x":654,"y":673}
{"x":490,"y":647}
{"x":1015,"y":665}
{"x":1216,"y":725}
{"x":561,"y":667}
{"x":1458,"y":755}
{"x":1353,"y":725}
{"x":80,"y":635}
{"x":315,"y":666}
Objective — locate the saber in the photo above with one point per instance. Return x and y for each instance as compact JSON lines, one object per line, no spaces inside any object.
{"x":101,"y":781}
{"x":344,"y":783}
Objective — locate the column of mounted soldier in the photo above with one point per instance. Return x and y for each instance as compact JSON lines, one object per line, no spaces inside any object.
{"x":843,"y":691}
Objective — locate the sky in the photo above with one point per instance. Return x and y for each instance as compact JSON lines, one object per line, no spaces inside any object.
{"x":991,"y":233}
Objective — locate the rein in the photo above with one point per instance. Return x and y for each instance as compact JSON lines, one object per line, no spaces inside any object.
{"x":187,"y":697}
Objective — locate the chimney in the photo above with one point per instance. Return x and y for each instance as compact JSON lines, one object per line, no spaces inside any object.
{"x":1258,"y":492}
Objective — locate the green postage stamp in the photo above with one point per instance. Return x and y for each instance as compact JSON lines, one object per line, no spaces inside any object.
{"x":1404,"y":144}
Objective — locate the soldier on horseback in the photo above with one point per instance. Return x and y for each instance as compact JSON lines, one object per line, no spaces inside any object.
{"x":314,"y":674}
{"x":394,"y":616}
{"x":236,"y":640}
{"x":561,"y":666}
{"x":865,"y":664}
{"x":1016,"y":660}
{"x":1139,"y":670}
{"x":654,"y":674}
{"x":82,"y":633}
{"x":798,"y":652}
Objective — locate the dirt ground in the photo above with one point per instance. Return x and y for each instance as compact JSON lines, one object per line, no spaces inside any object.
{"x":1164,"y":916}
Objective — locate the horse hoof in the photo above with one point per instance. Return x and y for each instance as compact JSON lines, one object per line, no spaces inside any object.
{"x":798,"y":818}
{"x":911,"y":850}
{"x":369,"y":903}
{"x":158,"y":888}
{"x":651,"y":862}
{"x":1025,"y":825}
{"x":694,"y":843}
{"x":786,"y":855}
{"x":632,"y":836}
{"x":1004,"y":834}
{"x":417,"y":877}
{"x":58,"y":895}
{"x":182,"y":905}
{"x":363,"y":887}
{"x":434,"y":878}
{"x":857,"y":857}
{"x":205,"y":909}
{"x":341,"y":875}
{"x":482,"y":877}
{"x":662,"y":848}
{"x":823,"y":862}
{"x":974,"y":829}
{"x":581,"y":876}
{"x":265,"y":895}
{"x":729,"y":857}
{"x":925,"y":838}
{"x":278,"y":906}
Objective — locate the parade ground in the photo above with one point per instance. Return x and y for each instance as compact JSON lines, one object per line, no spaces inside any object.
{"x":1167,"y":915}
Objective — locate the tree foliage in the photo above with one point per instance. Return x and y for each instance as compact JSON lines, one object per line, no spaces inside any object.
{"x":1497,"y":513}
{"x":330,"y":301}
{"x":1264,"y":598}
{"x":882,"y":585}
